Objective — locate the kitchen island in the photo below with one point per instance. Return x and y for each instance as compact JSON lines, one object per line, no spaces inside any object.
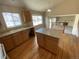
{"x":50,"y":39}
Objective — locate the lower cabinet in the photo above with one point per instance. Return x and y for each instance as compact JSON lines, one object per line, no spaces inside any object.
{"x":8,"y":42}
{"x":51,"y":44}
{"x":21,"y":37}
{"x":47,"y":42}
{"x":12,"y":41}
{"x":40,"y":40}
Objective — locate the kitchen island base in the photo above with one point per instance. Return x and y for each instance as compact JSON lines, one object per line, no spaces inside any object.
{"x":48,"y":43}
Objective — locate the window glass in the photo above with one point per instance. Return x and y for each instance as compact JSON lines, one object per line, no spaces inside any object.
{"x":11,"y":19}
{"x":17,"y":19}
{"x":37,"y":20}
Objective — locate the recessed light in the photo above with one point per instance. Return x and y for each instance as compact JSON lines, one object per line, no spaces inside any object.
{"x":49,"y":10}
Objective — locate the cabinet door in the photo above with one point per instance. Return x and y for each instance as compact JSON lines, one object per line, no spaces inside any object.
{"x":27,"y":16}
{"x":25,"y":35}
{"x":8,"y":43}
{"x":21,"y":37}
{"x":51,"y":44}
{"x":40,"y":40}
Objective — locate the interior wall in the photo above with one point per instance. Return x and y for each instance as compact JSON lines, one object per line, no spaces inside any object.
{"x":66,"y":7}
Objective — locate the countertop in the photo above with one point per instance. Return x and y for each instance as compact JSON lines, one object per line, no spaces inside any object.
{"x":6,"y":33}
{"x":53,"y":33}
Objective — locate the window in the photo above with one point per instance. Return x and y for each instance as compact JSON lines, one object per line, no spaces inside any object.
{"x":37,"y":20}
{"x":12,"y":19}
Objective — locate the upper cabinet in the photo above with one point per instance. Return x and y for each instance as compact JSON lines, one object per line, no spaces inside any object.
{"x":27,"y":16}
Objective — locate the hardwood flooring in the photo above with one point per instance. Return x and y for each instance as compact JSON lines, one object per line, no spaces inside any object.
{"x":68,"y":49}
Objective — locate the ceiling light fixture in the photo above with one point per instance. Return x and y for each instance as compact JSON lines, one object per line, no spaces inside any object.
{"x":49,"y":10}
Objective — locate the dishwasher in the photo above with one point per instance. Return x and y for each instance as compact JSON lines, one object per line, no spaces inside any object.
{"x":3,"y":54}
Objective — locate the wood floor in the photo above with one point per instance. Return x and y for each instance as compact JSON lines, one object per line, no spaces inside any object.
{"x":68,"y":49}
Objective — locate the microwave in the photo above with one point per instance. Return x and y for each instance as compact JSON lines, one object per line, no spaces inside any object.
{"x":2,"y":52}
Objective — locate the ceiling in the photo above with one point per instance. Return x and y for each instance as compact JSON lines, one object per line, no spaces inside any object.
{"x":37,"y":5}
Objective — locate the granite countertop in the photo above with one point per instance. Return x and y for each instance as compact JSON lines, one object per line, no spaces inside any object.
{"x":53,"y":33}
{"x":49,"y":32}
{"x":24,"y":27}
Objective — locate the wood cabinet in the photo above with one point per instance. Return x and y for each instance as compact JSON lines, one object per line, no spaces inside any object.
{"x":8,"y":42}
{"x":21,"y":37}
{"x":51,"y":44}
{"x":40,"y":40}
{"x":14,"y":40}
{"x":47,"y":42}
{"x":27,"y":16}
